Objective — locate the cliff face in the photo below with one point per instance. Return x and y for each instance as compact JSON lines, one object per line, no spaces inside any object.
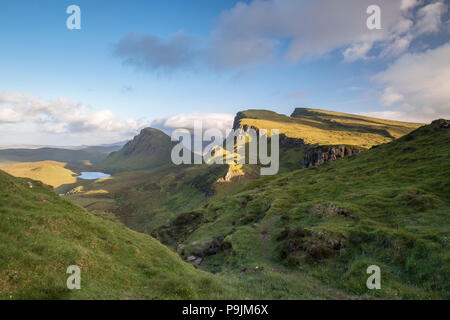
{"x":312,"y":155}
{"x":237,"y":120}
{"x":322,"y":155}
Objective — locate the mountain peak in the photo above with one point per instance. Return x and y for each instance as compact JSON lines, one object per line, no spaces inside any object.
{"x":149,"y":149}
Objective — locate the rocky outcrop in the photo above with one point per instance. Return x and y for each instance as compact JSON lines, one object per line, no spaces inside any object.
{"x":237,"y":120}
{"x":443,"y":124}
{"x":322,"y":155}
{"x":196,"y":251}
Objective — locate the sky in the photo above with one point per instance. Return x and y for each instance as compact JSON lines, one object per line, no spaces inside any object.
{"x":167,"y":63}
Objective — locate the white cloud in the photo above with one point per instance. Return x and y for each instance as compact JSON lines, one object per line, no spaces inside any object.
{"x":430,"y":17}
{"x":409,"y":4}
{"x":390,"y":97}
{"x":258,"y":31}
{"x":357,"y":51}
{"x":391,"y":115}
{"x":418,"y":85}
{"x":63,"y":117}
{"x":221,"y":121}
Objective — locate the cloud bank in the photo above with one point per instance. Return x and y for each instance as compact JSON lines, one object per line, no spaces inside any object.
{"x":417,"y":86}
{"x":292,"y":30}
{"x":220,"y":121}
{"x":62,"y":117}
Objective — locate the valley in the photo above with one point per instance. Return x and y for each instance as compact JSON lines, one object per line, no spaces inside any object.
{"x":352,"y":191}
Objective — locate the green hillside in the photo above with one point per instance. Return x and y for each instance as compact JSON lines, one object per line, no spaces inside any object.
{"x":389,"y":206}
{"x":41,"y":235}
{"x":147,"y":199}
{"x":149,"y":149}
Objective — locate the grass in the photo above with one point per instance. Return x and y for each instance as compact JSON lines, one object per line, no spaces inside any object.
{"x":307,"y":233}
{"x":147,"y":199}
{"x":388,"y":206}
{"x":42,"y":234}
{"x":322,"y":127}
{"x":49,"y":172}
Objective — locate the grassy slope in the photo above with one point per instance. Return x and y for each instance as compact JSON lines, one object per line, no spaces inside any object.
{"x":322,"y":127}
{"x":389,"y":206}
{"x":148,"y":199}
{"x":41,"y":235}
{"x":49,"y":172}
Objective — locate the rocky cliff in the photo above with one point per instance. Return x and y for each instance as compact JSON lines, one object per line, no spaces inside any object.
{"x":321,"y":155}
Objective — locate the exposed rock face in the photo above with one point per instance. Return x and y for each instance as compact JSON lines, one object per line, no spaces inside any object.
{"x":301,"y":112}
{"x":237,"y":120}
{"x":443,"y":124}
{"x":322,"y":155}
{"x":198,"y":250}
{"x":313,"y":155}
{"x":290,"y":142}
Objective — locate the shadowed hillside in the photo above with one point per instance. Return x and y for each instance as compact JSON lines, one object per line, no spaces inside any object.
{"x":150,"y":149}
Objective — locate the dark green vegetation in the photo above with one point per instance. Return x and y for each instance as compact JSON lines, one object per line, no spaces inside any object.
{"x":150,"y":149}
{"x":148,"y":199}
{"x":389,"y":206}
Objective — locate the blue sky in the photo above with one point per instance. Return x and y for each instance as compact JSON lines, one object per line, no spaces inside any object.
{"x":136,"y":61}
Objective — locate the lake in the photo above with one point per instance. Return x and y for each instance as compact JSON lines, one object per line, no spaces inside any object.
{"x":93,"y":175}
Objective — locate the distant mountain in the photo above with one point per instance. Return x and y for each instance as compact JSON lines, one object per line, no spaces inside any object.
{"x":151,"y":148}
{"x":89,"y":155}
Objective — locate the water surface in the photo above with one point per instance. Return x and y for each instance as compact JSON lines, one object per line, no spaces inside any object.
{"x":93,"y":175}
